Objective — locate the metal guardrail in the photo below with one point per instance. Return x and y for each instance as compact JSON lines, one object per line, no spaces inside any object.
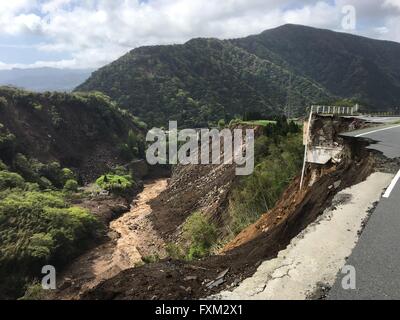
{"x":334,"y":110}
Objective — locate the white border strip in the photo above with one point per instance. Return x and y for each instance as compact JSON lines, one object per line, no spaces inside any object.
{"x":366,"y":133}
{"x":392,"y":185}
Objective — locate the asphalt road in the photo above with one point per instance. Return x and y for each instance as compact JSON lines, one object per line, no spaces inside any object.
{"x":376,"y":257}
{"x":386,"y":139}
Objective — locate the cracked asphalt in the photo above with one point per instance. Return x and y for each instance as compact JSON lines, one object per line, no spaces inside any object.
{"x":376,"y":257}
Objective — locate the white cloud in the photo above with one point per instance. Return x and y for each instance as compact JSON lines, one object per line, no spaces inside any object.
{"x":95,"y":32}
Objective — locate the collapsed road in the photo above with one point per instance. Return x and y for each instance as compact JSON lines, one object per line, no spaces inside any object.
{"x":376,"y":256}
{"x":333,"y":191}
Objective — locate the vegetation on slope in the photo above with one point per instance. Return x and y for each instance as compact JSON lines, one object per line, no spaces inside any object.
{"x":37,"y":227}
{"x":84,"y":131}
{"x":199,"y":83}
{"x":43,"y":136}
{"x":206,"y":80}
{"x":348,"y":66}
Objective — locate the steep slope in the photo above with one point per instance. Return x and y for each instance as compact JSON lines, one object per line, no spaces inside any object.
{"x":199,"y":83}
{"x":349,"y":66}
{"x":81,"y":131}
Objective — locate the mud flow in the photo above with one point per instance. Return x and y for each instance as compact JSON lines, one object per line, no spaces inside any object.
{"x":133,"y":238}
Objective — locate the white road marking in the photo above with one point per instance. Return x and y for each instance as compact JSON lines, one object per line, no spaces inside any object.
{"x":366,"y":133}
{"x":392,"y":185}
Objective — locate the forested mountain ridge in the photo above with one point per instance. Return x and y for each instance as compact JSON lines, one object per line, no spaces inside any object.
{"x":205,"y":80}
{"x":348,"y":66}
{"x":199,"y":83}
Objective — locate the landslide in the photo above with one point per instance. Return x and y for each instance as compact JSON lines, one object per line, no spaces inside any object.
{"x":171,"y":279}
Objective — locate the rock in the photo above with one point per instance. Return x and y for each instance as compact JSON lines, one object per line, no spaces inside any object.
{"x":222,"y":274}
{"x":190,"y":278}
{"x":216,"y":283}
{"x":337,"y":184}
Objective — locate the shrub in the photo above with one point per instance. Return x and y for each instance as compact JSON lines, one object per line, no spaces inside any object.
{"x":3,"y":166}
{"x":45,"y":183}
{"x":151,"y":259}
{"x":9,"y":180}
{"x":34,"y":291}
{"x":67,"y":174}
{"x":119,"y":185}
{"x":41,"y":246}
{"x":38,"y":228}
{"x":175,"y":251}
{"x":201,"y":234}
{"x":71,"y":186}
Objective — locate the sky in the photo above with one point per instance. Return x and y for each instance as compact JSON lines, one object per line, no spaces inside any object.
{"x":92,"y":33}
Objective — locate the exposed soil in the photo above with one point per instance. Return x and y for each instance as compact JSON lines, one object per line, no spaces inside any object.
{"x":170,"y":279}
{"x":132,"y":237}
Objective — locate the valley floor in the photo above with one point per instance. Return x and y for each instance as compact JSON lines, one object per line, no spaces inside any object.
{"x":134,"y":238}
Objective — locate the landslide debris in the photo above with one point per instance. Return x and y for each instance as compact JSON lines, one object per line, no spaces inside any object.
{"x":171,"y":279}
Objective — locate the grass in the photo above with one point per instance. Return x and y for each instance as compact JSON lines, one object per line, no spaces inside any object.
{"x":262,"y":123}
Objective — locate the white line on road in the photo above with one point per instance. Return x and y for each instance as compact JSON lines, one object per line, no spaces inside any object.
{"x":392,"y":185}
{"x":366,"y":133}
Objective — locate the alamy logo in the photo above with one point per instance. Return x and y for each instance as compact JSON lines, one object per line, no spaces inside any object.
{"x":202,"y":146}
{"x":349,"y":280}
{"x":349,"y":21}
{"x":49,"y":280}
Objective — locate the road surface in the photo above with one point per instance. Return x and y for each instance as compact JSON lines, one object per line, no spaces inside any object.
{"x":376,"y":257}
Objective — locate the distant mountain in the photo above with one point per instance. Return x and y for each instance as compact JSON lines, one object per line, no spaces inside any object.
{"x":44,"y":79}
{"x":205,"y":80}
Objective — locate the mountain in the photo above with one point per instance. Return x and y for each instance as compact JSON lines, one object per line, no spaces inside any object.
{"x":199,"y":82}
{"x":44,"y":79}
{"x":346,"y":65}
{"x":205,"y":80}
{"x":86,"y":132}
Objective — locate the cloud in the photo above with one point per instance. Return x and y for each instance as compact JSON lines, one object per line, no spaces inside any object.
{"x":95,"y":32}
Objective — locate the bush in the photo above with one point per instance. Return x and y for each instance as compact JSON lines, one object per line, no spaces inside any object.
{"x":151,"y":259}
{"x":38,"y":228}
{"x":9,"y":180}
{"x":67,"y":174}
{"x":175,"y":251}
{"x":201,"y":234}
{"x":3,"y":166}
{"x":34,"y":291}
{"x":71,"y":186}
{"x":119,"y":185}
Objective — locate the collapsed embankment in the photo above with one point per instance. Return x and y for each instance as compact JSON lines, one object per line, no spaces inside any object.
{"x":170,"y":279}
